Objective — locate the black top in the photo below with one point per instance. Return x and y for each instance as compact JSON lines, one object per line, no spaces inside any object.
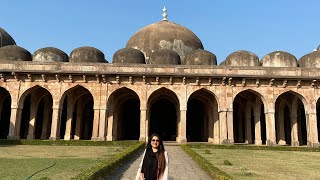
{"x":150,"y":165}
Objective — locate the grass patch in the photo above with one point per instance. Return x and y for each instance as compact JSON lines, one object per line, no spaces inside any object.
{"x":249,"y":162}
{"x":70,"y":158}
{"x":213,"y":171}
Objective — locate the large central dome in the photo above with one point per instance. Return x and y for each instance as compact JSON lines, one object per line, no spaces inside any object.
{"x":164,"y":35}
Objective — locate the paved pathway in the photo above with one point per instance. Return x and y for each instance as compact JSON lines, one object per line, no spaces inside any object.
{"x":181,"y":166}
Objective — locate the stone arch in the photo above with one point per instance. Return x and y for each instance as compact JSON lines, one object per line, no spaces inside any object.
{"x":249,"y":122}
{"x":263,"y":99}
{"x":5,"y":112}
{"x":202,"y":116}
{"x":34,"y":121}
{"x":76,"y":119}
{"x":163,"y":114}
{"x":123,"y":107}
{"x":290,"y":119}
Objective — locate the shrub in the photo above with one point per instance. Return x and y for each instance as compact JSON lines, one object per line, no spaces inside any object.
{"x":207,"y":151}
{"x":226,"y":162}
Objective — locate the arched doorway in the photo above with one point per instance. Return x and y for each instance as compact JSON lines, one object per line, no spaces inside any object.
{"x":5,"y":112}
{"x":77,"y":114}
{"x":163,"y":114}
{"x":202,"y":116}
{"x":249,"y":125}
{"x":291,"y":128}
{"x":124,"y":108}
{"x":36,"y":105}
{"x":318,"y":119}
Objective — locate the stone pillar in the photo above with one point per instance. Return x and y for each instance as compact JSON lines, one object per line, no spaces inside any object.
{"x":46,"y":120}
{"x":143,"y":120}
{"x":210,"y":126}
{"x":240,"y":125}
{"x":55,"y":125}
{"x":15,"y":122}
{"x":248,"y":126}
{"x":110,"y":126}
{"x":223,"y":127}
{"x":216,"y":131}
{"x":95,"y":129}
{"x":79,"y":113}
{"x":33,"y":115}
{"x":183,"y":126}
{"x":230,"y":126}
{"x":294,"y":128}
{"x":312,"y":131}
{"x":102,"y":125}
{"x":270,"y":128}
{"x":257,"y":127}
{"x":70,"y":110}
{"x":281,"y":130}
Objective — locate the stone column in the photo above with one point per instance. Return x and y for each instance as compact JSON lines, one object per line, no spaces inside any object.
{"x":79,"y":113}
{"x":281,"y":130}
{"x":183,"y":126}
{"x":70,"y":110}
{"x":223,"y":127}
{"x":46,"y":120}
{"x":210,"y":126}
{"x":248,"y":126}
{"x":102,"y":125}
{"x":95,"y":129}
{"x":312,"y":131}
{"x":270,"y":128}
{"x":110,"y":126}
{"x":294,"y":128}
{"x":15,"y":122}
{"x":33,"y":115}
{"x":257,"y":127}
{"x":240,"y":125}
{"x":216,"y":131}
{"x":143,"y":120}
{"x":55,"y":125}
{"x":230,"y":126}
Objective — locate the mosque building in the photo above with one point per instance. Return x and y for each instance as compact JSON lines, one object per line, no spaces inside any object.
{"x":163,"y":81}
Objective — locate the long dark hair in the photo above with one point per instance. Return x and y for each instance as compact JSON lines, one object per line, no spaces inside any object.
{"x":160,"y":154}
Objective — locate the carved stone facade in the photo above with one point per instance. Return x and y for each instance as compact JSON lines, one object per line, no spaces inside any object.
{"x":216,"y":104}
{"x":183,"y":98}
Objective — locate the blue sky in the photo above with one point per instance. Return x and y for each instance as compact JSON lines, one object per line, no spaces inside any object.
{"x":223,"y":26}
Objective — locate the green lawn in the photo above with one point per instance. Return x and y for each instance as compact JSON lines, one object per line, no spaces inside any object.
{"x":264,"y":164}
{"x":21,"y":161}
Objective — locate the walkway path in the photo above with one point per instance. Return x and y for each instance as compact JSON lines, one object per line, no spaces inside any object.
{"x":181,"y":166}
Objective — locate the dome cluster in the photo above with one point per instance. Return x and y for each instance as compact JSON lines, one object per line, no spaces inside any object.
{"x":159,"y":43}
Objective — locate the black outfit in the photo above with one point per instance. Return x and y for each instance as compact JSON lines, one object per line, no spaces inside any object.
{"x":150,"y":165}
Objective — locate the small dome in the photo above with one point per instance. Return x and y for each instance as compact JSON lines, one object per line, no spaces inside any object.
{"x":242,"y":58}
{"x":87,"y":54}
{"x":14,"y":53}
{"x":164,"y":35}
{"x":165,"y":56}
{"x":50,"y":54}
{"x":200,"y":57}
{"x":279,"y":59}
{"x":5,"y":38}
{"x":310,"y":60}
{"x":128,"y":55}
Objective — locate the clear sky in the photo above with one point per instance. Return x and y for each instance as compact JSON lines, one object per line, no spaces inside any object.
{"x":223,"y":26}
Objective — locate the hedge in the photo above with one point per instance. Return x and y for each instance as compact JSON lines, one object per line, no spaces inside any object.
{"x":101,"y":170}
{"x":213,"y":171}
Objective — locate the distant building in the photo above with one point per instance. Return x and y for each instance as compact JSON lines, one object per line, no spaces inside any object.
{"x":163,"y":81}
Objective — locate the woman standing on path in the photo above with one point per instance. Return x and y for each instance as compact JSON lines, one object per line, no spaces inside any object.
{"x":155,"y":161}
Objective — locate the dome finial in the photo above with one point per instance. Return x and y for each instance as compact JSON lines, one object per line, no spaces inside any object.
{"x":164,"y":14}
{"x":318,"y":49}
